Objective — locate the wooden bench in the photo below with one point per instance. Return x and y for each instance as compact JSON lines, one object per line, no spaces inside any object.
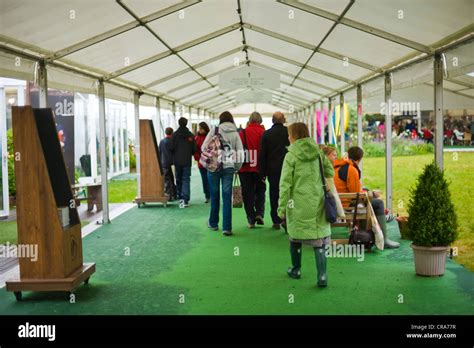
{"x":94,"y":195}
{"x":363,"y":213}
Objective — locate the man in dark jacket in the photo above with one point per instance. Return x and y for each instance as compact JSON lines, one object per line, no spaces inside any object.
{"x":166,"y":159}
{"x":272,"y":153}
{"x":183,"y":147}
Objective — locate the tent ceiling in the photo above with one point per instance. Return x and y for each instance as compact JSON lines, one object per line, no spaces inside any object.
{"x":177,"y":48}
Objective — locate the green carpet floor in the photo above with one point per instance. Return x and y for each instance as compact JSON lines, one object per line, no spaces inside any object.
{"x":177,"y":266}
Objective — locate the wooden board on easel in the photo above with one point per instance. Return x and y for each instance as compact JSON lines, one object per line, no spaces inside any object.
{"x":151,"y":174}
{"x":43,"y":187}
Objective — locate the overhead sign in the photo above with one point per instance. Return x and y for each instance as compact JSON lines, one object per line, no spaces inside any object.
{"x":249,"y":76}
{"x":254,"y":96}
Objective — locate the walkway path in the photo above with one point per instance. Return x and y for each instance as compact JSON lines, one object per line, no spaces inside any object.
{"x":177,"y":266}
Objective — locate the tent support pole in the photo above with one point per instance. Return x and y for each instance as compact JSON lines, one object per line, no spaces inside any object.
{"x":438,"y":109}
{"x":42,"y":84}
{"x":103,"y":154}
{"x":388,"y":140}
{"x":359,"y":121}
{"x":343,"y":121}
{"x":136,"y":108}
{"x":330,"y":122}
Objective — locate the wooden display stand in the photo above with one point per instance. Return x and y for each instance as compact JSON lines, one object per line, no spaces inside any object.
{"x":151,"y":174}
{"x":43,"y":186}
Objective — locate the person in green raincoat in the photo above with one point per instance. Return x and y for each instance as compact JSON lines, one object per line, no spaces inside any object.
{"x":301,"y":200}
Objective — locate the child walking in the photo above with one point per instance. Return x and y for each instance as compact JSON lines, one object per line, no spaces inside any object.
{"x":302,"y":200}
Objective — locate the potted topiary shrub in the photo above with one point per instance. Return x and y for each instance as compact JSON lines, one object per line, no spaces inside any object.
{"x":432,"y":221}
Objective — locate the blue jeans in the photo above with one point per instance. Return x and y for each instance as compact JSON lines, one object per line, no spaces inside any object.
{"x":205,"y":182}
{"x":226,"y":176}
{"x":183,"y":182}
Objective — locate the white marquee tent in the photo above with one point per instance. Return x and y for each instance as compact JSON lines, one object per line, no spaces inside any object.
{"x":171,"y":52}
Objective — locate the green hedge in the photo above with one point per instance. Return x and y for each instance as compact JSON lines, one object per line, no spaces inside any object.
{"x":399,"y":148}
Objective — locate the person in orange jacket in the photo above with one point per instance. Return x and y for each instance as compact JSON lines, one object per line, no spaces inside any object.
{"x":347,"y":180}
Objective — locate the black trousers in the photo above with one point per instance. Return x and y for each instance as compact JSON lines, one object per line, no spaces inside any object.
{"x":274,"y":181}
{"x":253,"y":195}
{"x":170,"y":187}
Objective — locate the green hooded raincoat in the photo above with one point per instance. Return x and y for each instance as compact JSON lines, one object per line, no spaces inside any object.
{"x":301,"y":191}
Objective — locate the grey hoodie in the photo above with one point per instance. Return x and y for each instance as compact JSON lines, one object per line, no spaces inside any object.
{"x":231,"y":143}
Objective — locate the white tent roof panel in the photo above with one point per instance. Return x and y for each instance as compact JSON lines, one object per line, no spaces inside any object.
{"x":44,"y":23}
{"x":469,"y":92}
{"x":146,"y":7}
{"x":119,"y":51}
{"x":423,"y":21}
{"x":328,"y":5}
{"x":273,"y":63}
{"x":277,"y":46}
{"x":298,"y":25}
{"x":181,"y":27}
{"x":453,"y":86}
{"x":325,"y":80}
{"x":155,"y":71}
{"x":212,"y":48}
{"x":192,"y":89}
{"x":298,"y":82}
{"x":365,"y":47}
{"x":337,"y":66}
{"x":223,"y":63}
{"x":177,"y":81}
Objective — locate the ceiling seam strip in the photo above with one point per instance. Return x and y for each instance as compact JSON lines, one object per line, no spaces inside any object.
{"x":241,"y":23}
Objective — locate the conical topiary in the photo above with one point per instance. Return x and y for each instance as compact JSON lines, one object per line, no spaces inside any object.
{"x":432,"y":220}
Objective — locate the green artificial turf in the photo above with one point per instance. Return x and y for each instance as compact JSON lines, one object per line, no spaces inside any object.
{"x":178,"y":266}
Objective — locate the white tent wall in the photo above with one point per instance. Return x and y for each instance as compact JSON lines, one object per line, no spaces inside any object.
{"x":16,"y":67}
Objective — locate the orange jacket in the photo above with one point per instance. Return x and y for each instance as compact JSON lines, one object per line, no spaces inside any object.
{"x":346,"y":176}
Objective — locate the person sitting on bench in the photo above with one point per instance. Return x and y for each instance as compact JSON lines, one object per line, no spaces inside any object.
{"x":347,"y":179}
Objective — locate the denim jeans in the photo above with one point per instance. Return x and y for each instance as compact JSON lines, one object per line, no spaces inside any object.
{"x":183,"y":182}
{"x":205,"y":182}
{"x":215,"y":178}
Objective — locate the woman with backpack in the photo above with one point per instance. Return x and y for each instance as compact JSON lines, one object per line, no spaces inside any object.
{"x":222,"y":155}
{"x":201,"y":135}
{"x":302,"y":200}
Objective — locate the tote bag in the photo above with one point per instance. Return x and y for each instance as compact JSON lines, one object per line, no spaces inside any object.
{"x":237,"y":193}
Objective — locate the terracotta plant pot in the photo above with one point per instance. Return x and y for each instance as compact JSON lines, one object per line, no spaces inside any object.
{"x":429,"y":261}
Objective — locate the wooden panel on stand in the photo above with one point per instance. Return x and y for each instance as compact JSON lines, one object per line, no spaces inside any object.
{"x":151,"y":173}
{"x":43,"y":190}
